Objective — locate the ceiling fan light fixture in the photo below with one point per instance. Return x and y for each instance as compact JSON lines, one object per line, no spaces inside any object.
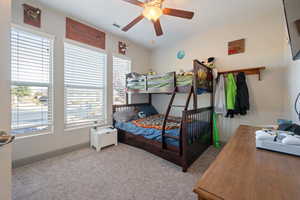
{"x":153,"y":10}
{"x":152,"y":13}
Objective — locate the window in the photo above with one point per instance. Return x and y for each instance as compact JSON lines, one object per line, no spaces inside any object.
{"x":121,"y":67}
{"x":84,"y":86}
{"x":31,"y":86}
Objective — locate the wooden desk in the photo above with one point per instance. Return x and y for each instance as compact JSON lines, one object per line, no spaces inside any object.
{"x":242,"y":172}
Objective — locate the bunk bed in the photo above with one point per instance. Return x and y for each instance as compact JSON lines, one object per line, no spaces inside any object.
{"x":180,"y":140}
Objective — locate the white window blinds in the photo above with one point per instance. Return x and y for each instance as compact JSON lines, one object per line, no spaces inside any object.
{"x":121,"y":67}
{"x":84,"y":86}
{"x":31,"y":87}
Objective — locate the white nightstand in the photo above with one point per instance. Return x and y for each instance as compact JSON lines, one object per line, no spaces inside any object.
{"x":102,"y":137}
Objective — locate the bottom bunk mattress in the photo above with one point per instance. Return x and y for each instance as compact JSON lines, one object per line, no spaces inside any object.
{"x":150,"y":128}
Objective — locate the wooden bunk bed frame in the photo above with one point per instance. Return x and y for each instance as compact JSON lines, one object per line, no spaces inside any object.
{"x":188,"y":150}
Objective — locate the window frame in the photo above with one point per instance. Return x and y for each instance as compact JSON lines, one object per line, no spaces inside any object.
{"x":123,"y":57}
{"x":81,"y":45}
{"x":50,"y":87}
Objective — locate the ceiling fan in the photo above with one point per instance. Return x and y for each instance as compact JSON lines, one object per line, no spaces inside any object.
{"x":153,"y":9}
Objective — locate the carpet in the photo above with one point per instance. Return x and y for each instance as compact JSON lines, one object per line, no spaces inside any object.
{"x":116,"y":173}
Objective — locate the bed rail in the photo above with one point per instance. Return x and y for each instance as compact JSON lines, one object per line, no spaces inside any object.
{"x":195,"y":136}
{"x":196,"y":132}
{"x":125,"y":107}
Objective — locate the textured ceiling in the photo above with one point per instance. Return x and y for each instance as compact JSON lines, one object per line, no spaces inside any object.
{"x":208,"y":14}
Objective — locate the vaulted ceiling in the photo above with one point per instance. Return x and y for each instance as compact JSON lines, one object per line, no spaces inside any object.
{"x":208,"y":14}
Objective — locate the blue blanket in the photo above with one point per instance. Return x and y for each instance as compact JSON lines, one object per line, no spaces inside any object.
{"x":155,"y":134}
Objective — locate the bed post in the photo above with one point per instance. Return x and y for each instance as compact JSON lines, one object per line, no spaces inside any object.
{"x":213,"y":109}
{"x":126,"y":92}
{"x":113,"y":111}
{"x":127,"y":98}
{"x":195,"y":100}
{"x":184,"y":144}
{"x":150,"y":99}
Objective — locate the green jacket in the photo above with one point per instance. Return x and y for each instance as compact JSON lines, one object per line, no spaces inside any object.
{"x":230,"y":92}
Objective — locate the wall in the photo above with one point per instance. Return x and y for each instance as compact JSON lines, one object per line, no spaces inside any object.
{"x":264,"y":36}
{"x":292,"y":88}
{"x":292,"y":83}
{"x":5,"y":172}
{"x":5,"y":11}
{"x":53,"y":23}
{"x":5,"y":152}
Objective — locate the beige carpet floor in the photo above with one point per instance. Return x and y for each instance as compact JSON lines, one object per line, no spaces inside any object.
{"x":117,"y":173}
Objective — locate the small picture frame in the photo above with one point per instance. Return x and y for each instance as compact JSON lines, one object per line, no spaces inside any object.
{"x":236,"y":47}
{"x":122,"y":48}
{"x":32,"y":15}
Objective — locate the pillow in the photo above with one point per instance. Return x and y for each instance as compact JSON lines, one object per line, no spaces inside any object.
{"x":148,"y":110}
{"x":284,"y":121}
{"x":125,"y":116}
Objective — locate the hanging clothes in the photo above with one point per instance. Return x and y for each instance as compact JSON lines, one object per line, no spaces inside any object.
{"x":230,"y":95}
{"x":220,"y":97}
{"x":242,"y":96}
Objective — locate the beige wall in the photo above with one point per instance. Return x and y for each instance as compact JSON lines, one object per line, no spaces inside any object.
{"x":292,"y":84}
{"x":5,"y":172}
{"x":5,"y":65}
{"x":265,"y":41}
{"x":5,"y":152}
{"x":293,"y":88}
{"x":53,"y":23}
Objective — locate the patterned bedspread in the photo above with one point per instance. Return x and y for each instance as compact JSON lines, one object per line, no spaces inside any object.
{"x":156,"y":121}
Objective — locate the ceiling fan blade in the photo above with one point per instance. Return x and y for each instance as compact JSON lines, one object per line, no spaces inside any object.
{"x":178,"y":13}
{"x":135,"y":2}
{"x":157,"y":27}
{"x":134,"y":22}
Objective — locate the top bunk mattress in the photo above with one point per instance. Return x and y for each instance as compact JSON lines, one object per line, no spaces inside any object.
{"x":166,"y":82}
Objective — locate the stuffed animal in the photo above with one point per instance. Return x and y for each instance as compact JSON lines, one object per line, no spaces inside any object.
{"x":210,"y":62}
{"x":188,"y":73}
{"x":151,"y":72}
{"x":180,"y":72}
{"x":133,"y":75}
{"x":202,"y":75}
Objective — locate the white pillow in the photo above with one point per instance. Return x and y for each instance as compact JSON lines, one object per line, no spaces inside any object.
{"x":125,"y":116}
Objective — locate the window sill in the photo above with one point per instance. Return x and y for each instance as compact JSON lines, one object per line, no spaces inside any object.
{"x":84,"y":127}
{"x":30,"y":135}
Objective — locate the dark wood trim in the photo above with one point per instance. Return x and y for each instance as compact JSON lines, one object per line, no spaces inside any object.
{"x":212,"y":101}
{"x":199,"y":110}
{"x":166,"y":117}
{"x":185,"y":154}
{"x":129,"y":105}
{"x":169,"y":153}
{"x":247,"y":71}
{"x":193,"y":140}
{"x":150,"y":98}
{"x":84,"y":34}
{"x":126,"y":98}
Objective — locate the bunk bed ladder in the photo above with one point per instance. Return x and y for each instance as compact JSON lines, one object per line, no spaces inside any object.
{"x":164,"y":135}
